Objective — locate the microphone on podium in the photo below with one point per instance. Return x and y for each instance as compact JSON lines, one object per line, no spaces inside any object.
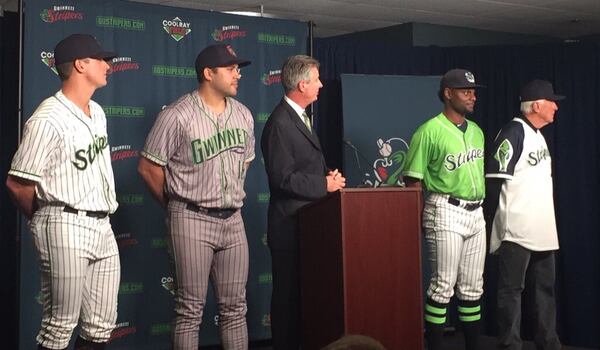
{"x":358,"y":153}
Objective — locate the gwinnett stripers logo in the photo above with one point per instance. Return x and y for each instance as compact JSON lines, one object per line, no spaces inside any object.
{"x":125,"y":240}
{"x":60,"y":13}
{"x":176,"y":28}
{"x":121,"y":330}
{"x":228,"y":33}
{"x":48,"y":60}
{"x":168,"y":284}
{"x":273,"y":77}
{"x":121,"y":64}
{"x":122,"y":152}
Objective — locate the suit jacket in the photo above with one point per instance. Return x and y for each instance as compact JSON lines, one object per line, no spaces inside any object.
{"x":296,"y":170}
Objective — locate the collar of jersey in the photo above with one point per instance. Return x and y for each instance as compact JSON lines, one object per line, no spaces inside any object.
{"x":447,"y":124}
{"x":74,"y":109}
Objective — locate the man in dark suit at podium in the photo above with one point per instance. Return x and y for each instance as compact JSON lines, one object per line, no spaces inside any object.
{"x":297,"y":176}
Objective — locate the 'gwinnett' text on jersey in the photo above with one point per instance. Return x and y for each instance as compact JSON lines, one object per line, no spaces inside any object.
{"x":224,"y":140}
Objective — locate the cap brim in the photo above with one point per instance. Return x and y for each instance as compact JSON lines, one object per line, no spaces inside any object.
{"x":240,"y":63}
{"x":471,"y":86}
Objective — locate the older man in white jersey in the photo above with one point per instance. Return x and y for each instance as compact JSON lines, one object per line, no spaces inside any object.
{"x":524,"y":233}
{"x":61,"y":178}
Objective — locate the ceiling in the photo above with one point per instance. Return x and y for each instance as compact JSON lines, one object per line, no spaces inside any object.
{"x":555,"y":18}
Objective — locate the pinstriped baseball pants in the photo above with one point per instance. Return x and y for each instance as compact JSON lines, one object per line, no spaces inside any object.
{"x":80,"y":273}
{"x":456,"y":245}
{"x":204,"y":247}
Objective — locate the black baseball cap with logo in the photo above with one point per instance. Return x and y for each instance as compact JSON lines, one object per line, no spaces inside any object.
{"x":214,"y":56}
{"x":457,"y":79}
{"x":78,"y":46}
{"x":538,"y":90}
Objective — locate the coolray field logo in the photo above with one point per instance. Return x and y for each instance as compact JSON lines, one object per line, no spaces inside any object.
{"x":131,"y":288}
{"x":176,"y":28}
{"x":276,"y":39}
{"x":173,"y":71}
{"x":263,"y":197}
{"x":122,"y":152}
{"x":264,"y":239}
{"x":266,"y":320}
{"x":121,"y":330}
{"x":124,"y":111}
{"x":121,"y":64}
{"x":265,"y":278}
{"x":38,"y":297}
{"x":262,"y":117}
{"x":228,"y":33}
{"x":274,"y":76}
{"x":387,"y":169}
{"x":168,"y":284}
{"x":160,"y":329}
{"x":120,"y":23}
{"x":48,"y":60}
{"x":60,"y":13}
{"x":125,"y":240}
{"x":130,"y":199}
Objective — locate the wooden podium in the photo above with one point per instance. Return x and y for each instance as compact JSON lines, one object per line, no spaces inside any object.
{"x":361,"y":267}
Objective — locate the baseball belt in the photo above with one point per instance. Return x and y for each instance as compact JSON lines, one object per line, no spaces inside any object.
{"x":214,"y":212}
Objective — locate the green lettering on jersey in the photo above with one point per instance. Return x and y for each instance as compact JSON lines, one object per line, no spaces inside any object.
{"x":203,"y":150}
{"x":85,"y":157}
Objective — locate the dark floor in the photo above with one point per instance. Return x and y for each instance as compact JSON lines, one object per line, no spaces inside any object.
{"x":453,"y":342}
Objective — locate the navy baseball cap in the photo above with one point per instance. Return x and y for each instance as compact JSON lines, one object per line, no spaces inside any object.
{"x":218,"y":56}
{"x":78,"y":46}
{"x":538,"y":90}
{"x":458,"y":79}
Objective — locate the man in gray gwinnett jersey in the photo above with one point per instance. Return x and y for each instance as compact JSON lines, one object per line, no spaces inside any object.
{"x":61,"y":178}
{"x":194,"y":163}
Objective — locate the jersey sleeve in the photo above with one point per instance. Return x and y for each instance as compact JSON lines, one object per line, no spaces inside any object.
{"x":506,"y":151}
{"x":40,"y":139}
{"x":418,"y":155}
{"x":164,"y":138}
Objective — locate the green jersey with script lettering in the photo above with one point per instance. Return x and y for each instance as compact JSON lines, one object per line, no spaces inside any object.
{"x":447,"y":159}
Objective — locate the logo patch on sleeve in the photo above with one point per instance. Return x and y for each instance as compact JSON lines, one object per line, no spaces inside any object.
{"x":504,"y":154}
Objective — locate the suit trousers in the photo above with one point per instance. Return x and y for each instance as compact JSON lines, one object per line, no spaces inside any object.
{"x":521,"y":268}
{"x":285,"y":300}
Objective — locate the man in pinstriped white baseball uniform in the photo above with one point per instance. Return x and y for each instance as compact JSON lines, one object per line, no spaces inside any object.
{"x":194,"y":163}
{"x":61,"y":178}
{"x":446,"y":154}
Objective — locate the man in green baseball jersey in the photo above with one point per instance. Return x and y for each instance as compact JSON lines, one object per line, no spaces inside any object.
{"x":445,"y":157}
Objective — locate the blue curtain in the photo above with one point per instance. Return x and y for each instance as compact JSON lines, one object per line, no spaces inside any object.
{"x":574,"y":69}
{"x":9,"y":58}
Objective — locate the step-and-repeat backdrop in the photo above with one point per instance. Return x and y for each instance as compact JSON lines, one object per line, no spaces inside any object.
{"x":156,"y":47}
